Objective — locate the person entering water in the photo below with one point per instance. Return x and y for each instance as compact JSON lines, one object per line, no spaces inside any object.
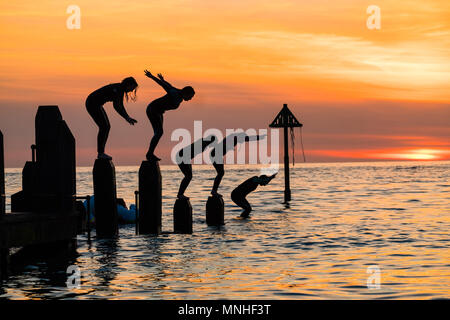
{"x":239,"y":194}
{"x":184,"y":157}
{"x":157,"y":107}
{"x":221,"y":149}
{"x":114,"y":92}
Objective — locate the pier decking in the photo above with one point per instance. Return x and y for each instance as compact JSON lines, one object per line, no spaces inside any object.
{"x":19,"y":229}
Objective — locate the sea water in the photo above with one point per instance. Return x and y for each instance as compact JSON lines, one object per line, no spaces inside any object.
{"x":352,"y":231}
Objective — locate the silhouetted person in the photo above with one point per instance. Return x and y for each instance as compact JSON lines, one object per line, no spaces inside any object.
{"x":184,"y":157}
{"x":156,"y":109}
{"x":238,"y":195}
{"x":224,"y":147}
{"x":114,"y":92}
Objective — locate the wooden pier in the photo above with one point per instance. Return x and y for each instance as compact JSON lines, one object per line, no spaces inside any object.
{"x":44,"y":212}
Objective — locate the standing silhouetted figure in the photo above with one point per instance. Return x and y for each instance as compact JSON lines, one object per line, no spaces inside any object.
{"x":156,"y":109}
{"x":227,"y":144}
{"x":238,"y":195}
{"x":114,"y":92}
{"x":184,"y":157}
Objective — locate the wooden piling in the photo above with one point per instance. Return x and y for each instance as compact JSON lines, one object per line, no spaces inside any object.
{"x":2,"y":178}
{"x":43,"y":213}
{"x":55,"y":156}
{"x":49,"y":180}
{"x":105,"y":198}
{"x":215,"y":211}
{"x":150,"y":198}
{"x":4,"y":255}
{"x":287,"y":184}
{"x":136,"y":215}
{"x":182,"y":216}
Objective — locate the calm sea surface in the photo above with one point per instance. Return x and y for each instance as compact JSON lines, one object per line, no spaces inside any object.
{"x":342,"y":219}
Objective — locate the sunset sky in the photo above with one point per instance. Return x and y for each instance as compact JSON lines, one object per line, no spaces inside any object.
{"x":361,"y":94}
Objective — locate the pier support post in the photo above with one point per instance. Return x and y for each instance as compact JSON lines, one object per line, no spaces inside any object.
{"x":56,"y":164}
{"x":4,"y":256}
{"x":150,"y":198}
{"x":2,"y":178}
{"x":215,"y":211}
{"x":49,"y":181}
{"x":105,"y":198}
{"x":182,"y":216}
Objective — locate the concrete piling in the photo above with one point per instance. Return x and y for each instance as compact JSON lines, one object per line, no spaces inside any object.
{"x":150,"y":198}
{"x":105,"y":198}
{"x":215,"y":211}
{"x":182,"y":216}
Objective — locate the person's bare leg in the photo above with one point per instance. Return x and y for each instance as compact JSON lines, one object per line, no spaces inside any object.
{"x":157,"y":123}
{"x":247,"y":209}
{"x":220,"y":173}
{"x":187,"y":171}
{"x":101,"y":120}
{"x":243,"y":203}
{"x":102,"y":136}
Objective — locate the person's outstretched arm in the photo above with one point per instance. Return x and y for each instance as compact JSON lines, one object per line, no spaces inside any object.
{"x":118,"y":106}
{"x":159,"y":80}
{"x":255,"y":138}
{"x":264,"y":180}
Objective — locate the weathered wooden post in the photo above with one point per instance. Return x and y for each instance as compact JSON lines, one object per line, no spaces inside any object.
{"x":105,"y":198}
{"x":48,"y":182}
{"x":88,"y":218}
{"x":2,"y":178}
{"x":285,"y":119}
{"x":150,"y":198}
{"x":55,"y":155}
{"x":45,"y":215}
{"x":215,"y":211}
{"x":136,"y":215}
{"x":182,"y":216}
{"x":4,"y":256}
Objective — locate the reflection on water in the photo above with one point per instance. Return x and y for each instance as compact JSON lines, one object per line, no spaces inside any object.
{"x":342,"y":219}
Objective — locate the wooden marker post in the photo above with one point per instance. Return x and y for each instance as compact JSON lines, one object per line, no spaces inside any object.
{"x":182,"y":216}
{"x":150,"y":198}
{"x":105,"y":199}
{"x":285,"y":119}
{"x":215,"y":211}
